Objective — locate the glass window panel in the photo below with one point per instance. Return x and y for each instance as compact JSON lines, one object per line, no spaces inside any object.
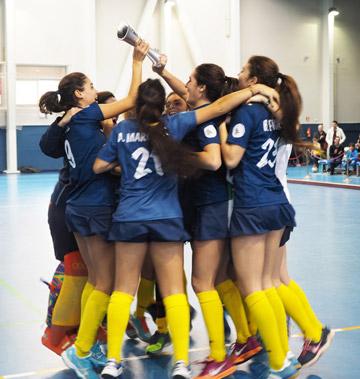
{"x":26,"y":92}
{"x":47,"y":85}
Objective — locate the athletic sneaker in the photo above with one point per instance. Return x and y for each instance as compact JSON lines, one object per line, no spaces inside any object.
{"x":157,"y":343}
{"x":131,"y":331}
{"x":291,"y":357}
{"x":180,"y":371}
{"x":82,"y":366}
{"x":111,"y":370}
{"x":242,"y":352}
{"x":312,"y":351}
{"x":98,"y":355}
{"x":140,"y":325}
{"x":217,"y":370}
{"x":288,"y":371}
{"x":259,"y":366}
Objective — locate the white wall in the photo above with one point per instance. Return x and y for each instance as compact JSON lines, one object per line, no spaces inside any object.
{"x":82,"y":35}
{"x":347,"y":61}
{"x":288,"y":31}
{"x":208,"y":33}
{"x":111,"y":53}
{"x":53,"y":32}
{"x":56,"y":32}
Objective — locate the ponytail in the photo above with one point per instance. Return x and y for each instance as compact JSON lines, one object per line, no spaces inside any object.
{"x":231,"y":85}
{"x":267,"y":72}
{"x":64,"y":98}
{"x":50,"y":102}
{"x":291,"y":104}
{"x":175,"y":158}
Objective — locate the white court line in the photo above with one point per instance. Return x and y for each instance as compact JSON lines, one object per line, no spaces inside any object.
{"x":52,"y":370}
{"x":140,"y":357}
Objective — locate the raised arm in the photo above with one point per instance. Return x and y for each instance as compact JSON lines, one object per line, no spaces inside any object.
{"x":174,"y":83}
{"x":123,"y":105}
{"x":226,"y":103}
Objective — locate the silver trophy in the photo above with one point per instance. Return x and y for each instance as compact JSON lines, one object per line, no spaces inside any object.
{"x":127,"y":33}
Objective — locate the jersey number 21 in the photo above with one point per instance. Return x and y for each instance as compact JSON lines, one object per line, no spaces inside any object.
{"x":142,"y":154}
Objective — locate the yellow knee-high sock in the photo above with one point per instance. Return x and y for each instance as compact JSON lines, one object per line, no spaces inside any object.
{"x":85,"y":295}
{"x":306,"y":304}
{"x":118,"y":318}
{"x":94,"y":312}
{"x":178,"y":319}
{"x":265,"y":319}
{"x":294,"y":308}
{"x":162,"y":325}
{"x":67,"y":310}
{"x":280,"y":314}
{"x":145,"y":296}
{"x":230,"y":296}
{"x":68,"y":305}
{"x":213,"y":314}
{"x":251,"y":320}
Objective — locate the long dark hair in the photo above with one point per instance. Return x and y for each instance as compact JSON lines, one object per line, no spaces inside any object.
{"x":64,"y":98}
{"x":231,"y":85}
{"x":175,"y":157}
{"x":104,"y":96}
{"x":214,"y":79}
{"x":267,"y":72}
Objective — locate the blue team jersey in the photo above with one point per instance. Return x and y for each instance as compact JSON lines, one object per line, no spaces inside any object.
{"x":146,"y":193}
{"x":211,"y":186}
{"x":83,"y":140}
{"x":255,"y":183}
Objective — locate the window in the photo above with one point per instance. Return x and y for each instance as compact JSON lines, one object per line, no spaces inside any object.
{"x":34,"y":81}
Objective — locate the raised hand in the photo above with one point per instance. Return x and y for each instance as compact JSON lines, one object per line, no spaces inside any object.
{"x":140,"y":50}
{"x":68,"y":116}
{"x":159,"y":68}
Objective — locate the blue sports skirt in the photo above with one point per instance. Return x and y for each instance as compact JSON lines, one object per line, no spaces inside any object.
{"x":209,"y":222}
{"x":166,"y":230}
{"x":89,"y":221}
{"x":260,"y":220}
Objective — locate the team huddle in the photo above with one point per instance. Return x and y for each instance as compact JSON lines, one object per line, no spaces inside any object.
{"x":206,"y":165}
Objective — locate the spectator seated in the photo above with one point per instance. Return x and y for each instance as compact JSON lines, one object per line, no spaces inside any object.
{"x":350,"y":159}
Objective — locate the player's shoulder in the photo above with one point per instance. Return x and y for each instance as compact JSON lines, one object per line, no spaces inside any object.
{"x":127,"y":125}
{"x":249,"y":109}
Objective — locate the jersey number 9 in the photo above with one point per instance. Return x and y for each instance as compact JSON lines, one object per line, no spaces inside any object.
{"x":69,"y":154}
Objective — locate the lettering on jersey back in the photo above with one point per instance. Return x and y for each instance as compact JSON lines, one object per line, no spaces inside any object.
{"x":120,"y":138}
{"x":270,"y":125}
{"x":136,"y":137}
